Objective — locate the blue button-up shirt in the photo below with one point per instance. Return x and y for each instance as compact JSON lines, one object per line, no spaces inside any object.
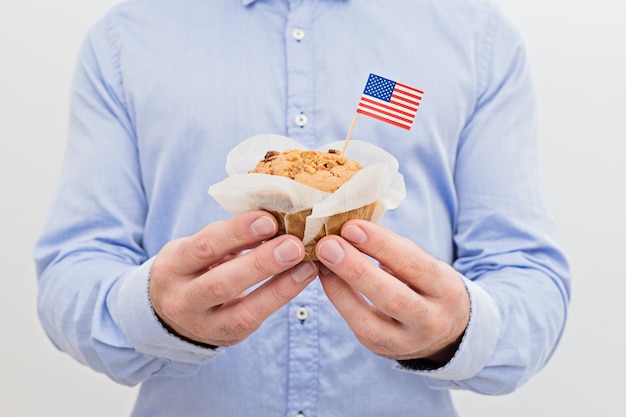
{"x":164,"y":89}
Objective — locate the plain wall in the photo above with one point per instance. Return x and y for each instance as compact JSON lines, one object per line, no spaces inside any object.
{"x":578,"y":53}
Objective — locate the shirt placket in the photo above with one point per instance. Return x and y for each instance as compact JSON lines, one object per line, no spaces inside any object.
{"x":299,"y":57}
{"x":303,"y":353}
{"x":303,"y":356}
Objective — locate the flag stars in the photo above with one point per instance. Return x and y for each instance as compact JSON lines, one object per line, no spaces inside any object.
{"x":379,"y":87}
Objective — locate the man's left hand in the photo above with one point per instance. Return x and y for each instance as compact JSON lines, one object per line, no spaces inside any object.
{"x":414,"y":306}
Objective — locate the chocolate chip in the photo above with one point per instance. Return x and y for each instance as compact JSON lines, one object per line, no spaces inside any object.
{"x":270,"y":155}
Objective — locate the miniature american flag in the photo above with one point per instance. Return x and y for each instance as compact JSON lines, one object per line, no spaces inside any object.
{"x":390,"y":101}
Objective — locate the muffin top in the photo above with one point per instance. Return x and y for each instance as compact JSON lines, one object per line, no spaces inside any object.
{"x":326,"y":171}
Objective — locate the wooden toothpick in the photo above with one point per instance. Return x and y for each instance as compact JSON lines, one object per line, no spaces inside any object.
{"x":345,"y":144}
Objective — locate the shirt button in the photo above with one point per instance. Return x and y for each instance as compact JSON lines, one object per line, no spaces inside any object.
{"x":298,"y":34}
{"x":302,"y":313}
{"x":301,"y":120}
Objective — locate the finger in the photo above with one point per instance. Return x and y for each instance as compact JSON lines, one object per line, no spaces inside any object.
{"x":396,"y":329}
{"x":228,"y":280}
{"x":247,"y":313}
{"x":197,"y":252}
{"x":378,"y":332}
{"x":400,"y":257}
{"x":390,"y":295}
{"x":344,"y":297}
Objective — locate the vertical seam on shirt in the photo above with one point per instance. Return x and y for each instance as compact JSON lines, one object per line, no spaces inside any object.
{"x":114,"y":47}
{"x":487,"y":48}
{"x":114,"y":40}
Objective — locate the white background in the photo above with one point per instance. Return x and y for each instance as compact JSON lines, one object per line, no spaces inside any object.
{"x":578,"y":51}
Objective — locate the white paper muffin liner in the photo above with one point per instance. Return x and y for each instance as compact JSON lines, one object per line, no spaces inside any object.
{"x":303,"y":210}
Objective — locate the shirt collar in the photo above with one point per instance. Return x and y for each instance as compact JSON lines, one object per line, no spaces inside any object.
{"x":247,"y":2}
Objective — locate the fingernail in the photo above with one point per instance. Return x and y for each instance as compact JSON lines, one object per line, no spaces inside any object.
{"x":302,"y":271}
{"x":354,"y":234}
{"x":332,"y":251}
{"x":323,"y":269}
{"x":263,"y":226}
{"x":286,"y":252}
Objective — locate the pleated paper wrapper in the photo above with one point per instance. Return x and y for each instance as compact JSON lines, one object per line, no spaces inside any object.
{"x":302,"y":210}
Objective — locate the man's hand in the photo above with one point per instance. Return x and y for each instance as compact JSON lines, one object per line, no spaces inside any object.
{"x":419,"y":305}
{"x":198,"y":284}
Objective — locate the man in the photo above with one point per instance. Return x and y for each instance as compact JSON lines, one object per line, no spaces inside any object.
{"x":145,"y":278}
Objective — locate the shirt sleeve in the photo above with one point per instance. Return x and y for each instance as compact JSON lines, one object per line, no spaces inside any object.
{"x":92,"y":267}
{"x":516,"y":274}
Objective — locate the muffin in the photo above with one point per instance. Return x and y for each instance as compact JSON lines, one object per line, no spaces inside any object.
{"x":325,"y":171}
{"x":311,"y":193}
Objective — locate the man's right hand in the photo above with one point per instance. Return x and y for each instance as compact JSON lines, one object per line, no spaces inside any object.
{"x":198,"y":283}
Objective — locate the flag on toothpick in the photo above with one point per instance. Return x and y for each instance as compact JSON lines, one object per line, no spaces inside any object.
{"x":390,"y":101}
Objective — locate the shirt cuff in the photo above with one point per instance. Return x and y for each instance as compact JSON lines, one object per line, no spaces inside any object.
{"x":478,"y":343}
{"x":144,"y":330}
